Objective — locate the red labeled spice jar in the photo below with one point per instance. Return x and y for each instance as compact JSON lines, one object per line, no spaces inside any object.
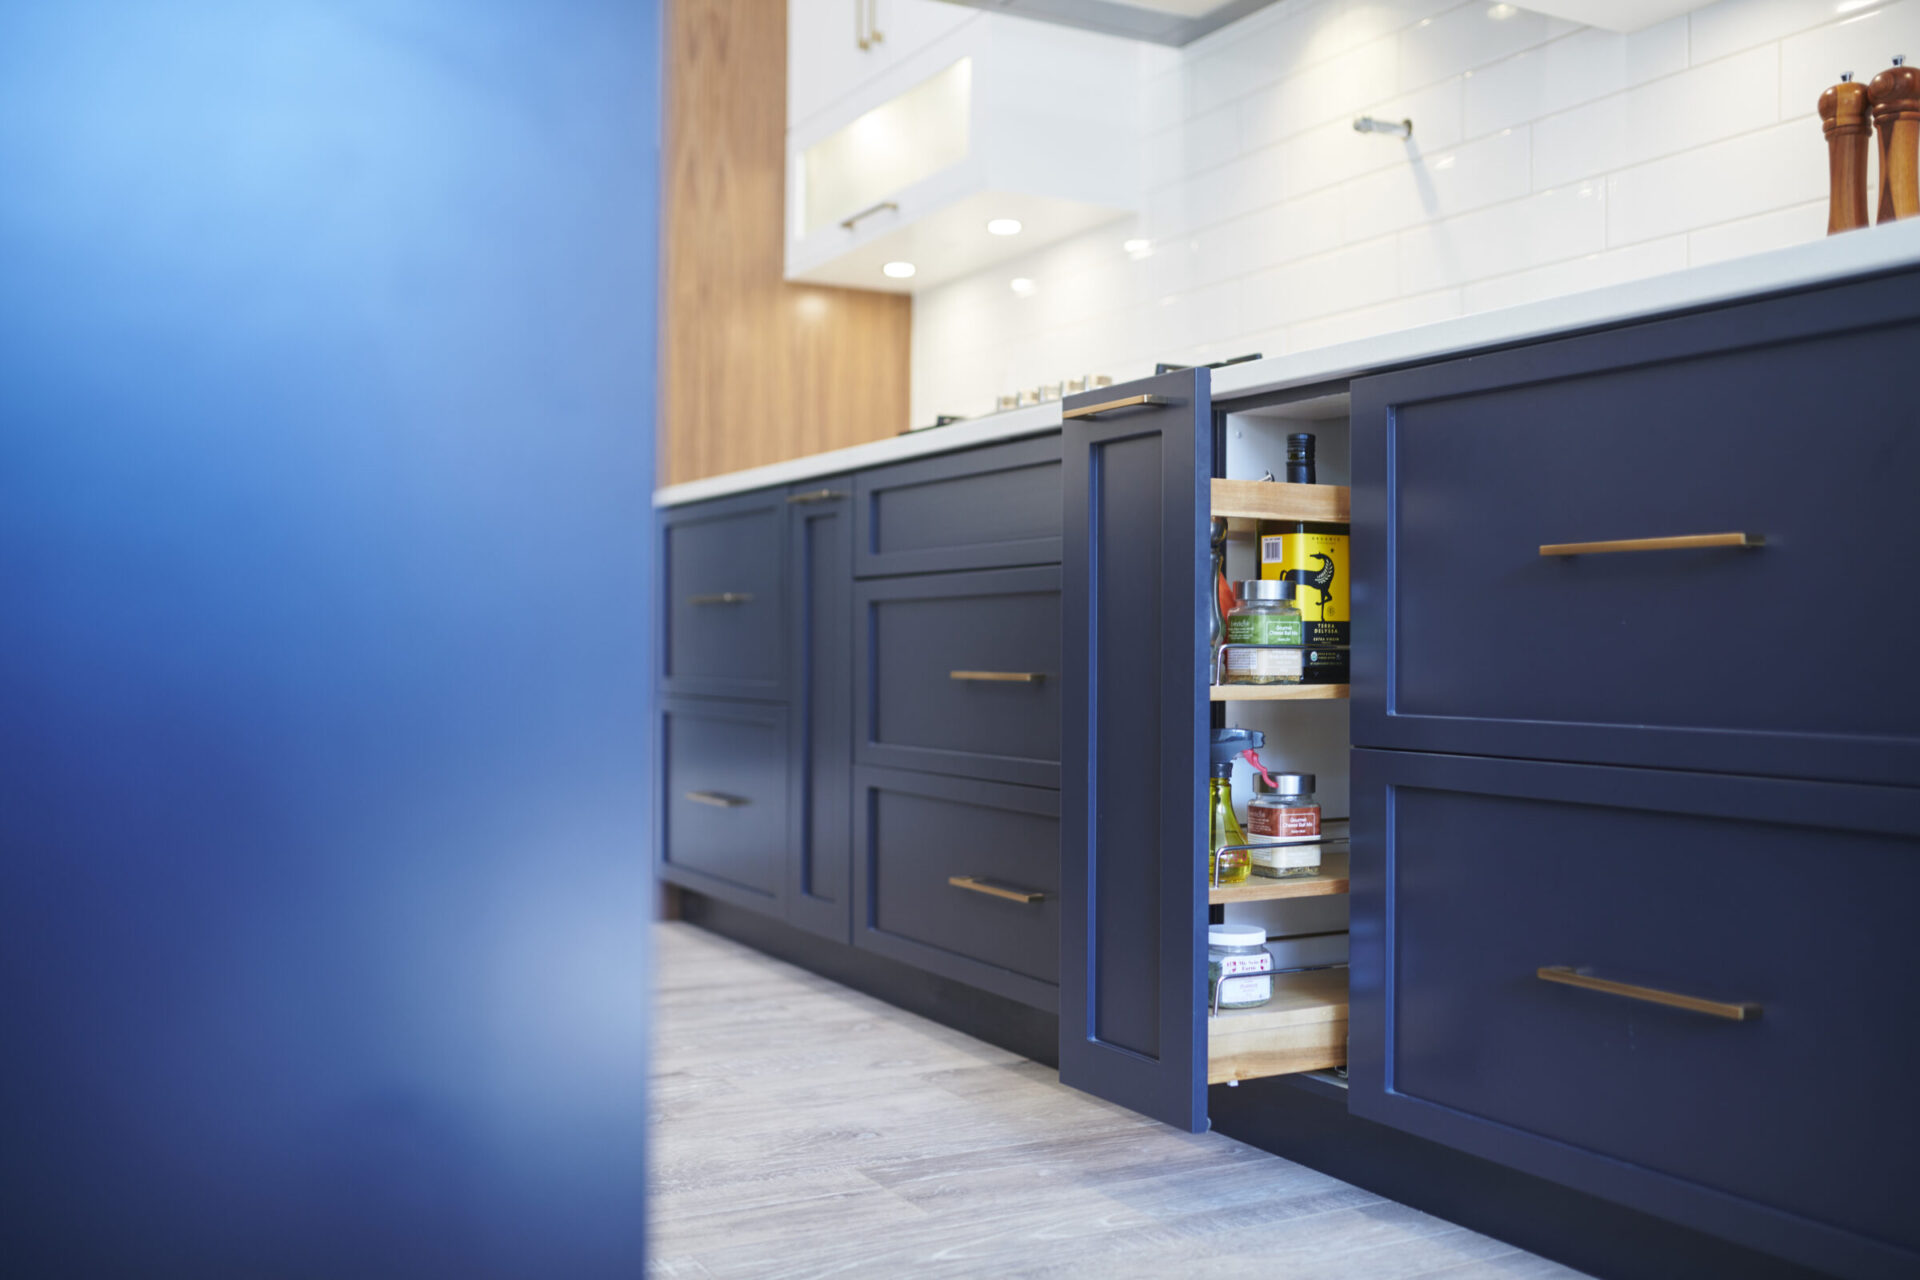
{"x":1283,"y":811}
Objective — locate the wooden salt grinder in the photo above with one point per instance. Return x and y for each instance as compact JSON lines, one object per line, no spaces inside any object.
{"x":1844,"y":116}
{"x":1895,"y":97}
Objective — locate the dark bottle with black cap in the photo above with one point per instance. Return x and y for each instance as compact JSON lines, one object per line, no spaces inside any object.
{"x":1311,"y":555}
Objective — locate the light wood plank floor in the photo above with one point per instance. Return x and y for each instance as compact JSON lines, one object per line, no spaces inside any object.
{"x":802,"y":1130}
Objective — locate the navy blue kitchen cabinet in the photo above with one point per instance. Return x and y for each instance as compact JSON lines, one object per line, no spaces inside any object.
{"x":978,"y":509}
{"x":1135,"y":710}
{"x":960,"y":877}
{"x":819,"y":657}
{"x":1785,"y":420}
{"x":960,"y":673}
{"x":723,"y":799}
{"x":723,"y":615}
{"x":1779,"y":1113}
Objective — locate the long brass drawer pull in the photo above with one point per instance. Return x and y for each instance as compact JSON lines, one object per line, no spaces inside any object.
{"x":718,"y":799}
{"x":975,"y":885}
{"x":1739,"y":1011}
{"x":1108,"y":406}
{"x":814,"y":495}
{"x":1000,"y":677}
{"x":1686,"y":542}
{"x":870,"y":210}
{"x":722,"y":597}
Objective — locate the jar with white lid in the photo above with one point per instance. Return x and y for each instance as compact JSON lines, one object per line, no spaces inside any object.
{"x":1239,"y":967}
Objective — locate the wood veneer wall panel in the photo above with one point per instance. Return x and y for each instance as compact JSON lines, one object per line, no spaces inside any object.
{"x":754,"y":370}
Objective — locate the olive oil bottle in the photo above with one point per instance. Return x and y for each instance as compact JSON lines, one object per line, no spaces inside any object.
{"x":1312,"y":556}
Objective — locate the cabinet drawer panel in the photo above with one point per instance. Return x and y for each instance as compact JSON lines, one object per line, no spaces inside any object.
{"x":916,"y":834}
{"x":723,"y":801}
{"x":960,"y":673}
{"x":723,"y":597}
{"x":1471,"y":875}
{"x":1777,"y":420}
{"x":975,"y":510}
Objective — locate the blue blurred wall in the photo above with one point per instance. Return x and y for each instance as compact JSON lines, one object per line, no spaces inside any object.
{"x":326,"y":438}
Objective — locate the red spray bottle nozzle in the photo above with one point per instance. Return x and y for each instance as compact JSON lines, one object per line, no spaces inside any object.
{"x":1253,"y":758}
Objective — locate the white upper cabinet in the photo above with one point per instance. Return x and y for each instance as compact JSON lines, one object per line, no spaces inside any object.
{"x":835,"y":46}
{"x":903,"y":152}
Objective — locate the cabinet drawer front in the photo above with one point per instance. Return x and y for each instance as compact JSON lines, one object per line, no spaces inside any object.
{"x":975,"y":510}
{"x":723,"y":802}
{"x":723,"y":597}
{"x":1779,"y":420}
{"x":917,"y":833}
{"x":1472,"y":875}
{"x":960,"y":673}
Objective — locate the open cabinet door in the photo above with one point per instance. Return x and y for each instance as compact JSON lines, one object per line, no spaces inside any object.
{"x":1136,"y":477}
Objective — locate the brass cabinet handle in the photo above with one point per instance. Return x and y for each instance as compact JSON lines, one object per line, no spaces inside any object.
{"x":850,"y":222}
{"x":860,"y":25}
{"x":1108,"y":406}
{"x":718,"y":799}
{"x":1686,"y":542}
{"x":1740,"y":1011}
{"x":722,"y":597}
{"x":873,"y":21}
{"x":1000,"y":677}
{"x":814,"y":495}
{"x":975,"y":885}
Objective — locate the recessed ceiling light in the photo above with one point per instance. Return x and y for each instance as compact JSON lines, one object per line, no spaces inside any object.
{"x":1138,"y":248}
{"x":1501,"y":12}
{"x":1003,"y":227}
{"x":898,"y":270}
{"x":1023,"y":286}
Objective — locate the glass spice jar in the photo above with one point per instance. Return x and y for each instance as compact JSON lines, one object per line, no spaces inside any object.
{"x":1266,"y":616}
{"x":1239,"y":967}
{"x":1284,"y":815}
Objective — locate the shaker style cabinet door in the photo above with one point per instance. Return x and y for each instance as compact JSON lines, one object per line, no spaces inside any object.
{"x":723,"y":620}
{"x":820,"y":662}
{"x":1134,"y":709}
{"x":721,"y":808}
{"x":1690,"y":993}
{"x":1678,"y":544}
{"x":960,"y":673}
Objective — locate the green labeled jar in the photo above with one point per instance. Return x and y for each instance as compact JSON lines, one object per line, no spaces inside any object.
{"x":1267,"y":616}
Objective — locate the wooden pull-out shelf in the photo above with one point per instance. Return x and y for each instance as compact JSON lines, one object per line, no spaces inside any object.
{"x":1247,"y":502}
{"x":1257,"y":888}
{"x":1303,"y":1028}
{"x":1277,"y":692}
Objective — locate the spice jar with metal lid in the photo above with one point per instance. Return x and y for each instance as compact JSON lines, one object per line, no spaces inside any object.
{"x":1239,"y":967}
{"x":1284,"y":813}
{"x":1264,"y":636}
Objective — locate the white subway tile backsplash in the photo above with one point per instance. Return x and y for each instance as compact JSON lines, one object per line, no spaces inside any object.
{"x":1546,"y":158}
{"x":1795,"y":224}
{"x":1331,"y":90}
{"x":1370,"y":322}
{"x":1733,"y":25}
{"x":1659,"y":118}
{"x":1864,"y":44}
{"x":1547,"y":227}
{"x":1437,"y":186}
{"x":1579,"y":68}
{"x":1751,"y":174}
{"x":1471,"y":36}
{"x":1594,"y":271}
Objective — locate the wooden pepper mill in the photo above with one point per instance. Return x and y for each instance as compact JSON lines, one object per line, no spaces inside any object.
{"x":1844,"y":114}
{"x":1895,"y":97}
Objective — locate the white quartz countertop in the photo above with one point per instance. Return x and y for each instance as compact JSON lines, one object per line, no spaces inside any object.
{"x":992,"y":429}
{"x":1855,"y":254}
